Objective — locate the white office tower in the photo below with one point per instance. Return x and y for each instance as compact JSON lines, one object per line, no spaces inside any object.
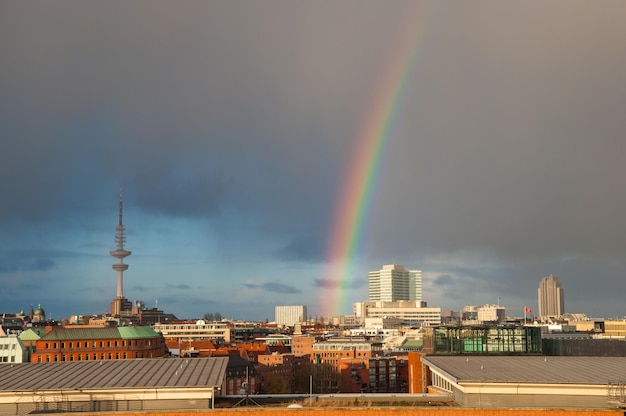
{"x":394,"y":283}
{"x":550,"y":297}
{"x":290,"y":315}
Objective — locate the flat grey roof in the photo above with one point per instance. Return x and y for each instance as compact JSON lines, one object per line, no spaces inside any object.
{"x":530,"y":369}
{"x":135,"y":373}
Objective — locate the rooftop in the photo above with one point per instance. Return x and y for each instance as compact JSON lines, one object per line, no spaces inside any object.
{"x":531,"y":369}
{"x":139,"y":373}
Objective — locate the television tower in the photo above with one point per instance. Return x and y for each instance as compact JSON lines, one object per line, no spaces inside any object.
{"x":120,"y":253}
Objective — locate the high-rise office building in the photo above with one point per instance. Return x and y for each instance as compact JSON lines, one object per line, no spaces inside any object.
{"x":394,"y":283}
{"x":550,"y":297}
{"x":290,"y":315}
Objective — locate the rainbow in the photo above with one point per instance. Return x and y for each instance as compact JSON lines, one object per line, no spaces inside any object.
{"x":355,"y":200}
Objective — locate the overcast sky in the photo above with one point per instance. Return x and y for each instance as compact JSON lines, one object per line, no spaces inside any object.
{"x":231,"y":126}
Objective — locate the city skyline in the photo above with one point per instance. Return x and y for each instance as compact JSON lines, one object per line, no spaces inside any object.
{"x":236,"y":131}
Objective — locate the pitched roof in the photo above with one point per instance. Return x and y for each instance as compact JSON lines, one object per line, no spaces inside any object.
{"x":32,"y":334}
{"x":530,"y":369}
{"x":68,"y":334}
{"x":133,"y":332}
{"x":139,"y":373}
{"x":78,"y":333}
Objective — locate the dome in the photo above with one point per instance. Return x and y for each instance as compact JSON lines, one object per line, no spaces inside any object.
{"x":40,"y":311}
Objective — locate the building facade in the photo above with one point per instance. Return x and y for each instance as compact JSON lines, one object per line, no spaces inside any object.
{"x":483,"y":340}
{"x":393,"y":283}
{"x":217,"y":332}
{"x":12,"y":350}
{"x":408,"y":312}
{"x":88,"y":344}
{"x":550,"y":298}
{"x":290,"y":315}
{"x":491,"y":314}
{"x":375,"y":375}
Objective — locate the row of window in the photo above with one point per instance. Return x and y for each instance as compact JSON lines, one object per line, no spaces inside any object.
{"x":100,"y":344}
{"x":6,"y":346}
{"x":87,"y":357}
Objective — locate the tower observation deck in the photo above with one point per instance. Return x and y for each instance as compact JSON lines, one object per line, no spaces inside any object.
{"x":120,"y":303}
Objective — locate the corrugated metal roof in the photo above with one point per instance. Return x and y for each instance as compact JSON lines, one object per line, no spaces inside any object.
{"x":531,"y":369}
{"x":139,"y":373}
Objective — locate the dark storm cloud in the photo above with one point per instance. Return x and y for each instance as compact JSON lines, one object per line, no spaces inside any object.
{"x":13,"y":265}
{"x":309,"y":249}
{"x":443,"y":280}
{"x":273,"y":287}
{"x":178,"y":286}
{"x":239,"y":120}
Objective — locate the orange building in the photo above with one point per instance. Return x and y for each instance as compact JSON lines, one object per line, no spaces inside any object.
{"x":113,"y":343}
{"x":334,"y":350}
{"x":302,"y":345}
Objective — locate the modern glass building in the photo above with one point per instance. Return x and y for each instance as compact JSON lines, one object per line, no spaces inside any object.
{"x":485,"y":340}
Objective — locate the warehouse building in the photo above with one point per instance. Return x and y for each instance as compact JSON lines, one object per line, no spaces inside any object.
{"x":480,"y":381}
{"x":116,"y":385}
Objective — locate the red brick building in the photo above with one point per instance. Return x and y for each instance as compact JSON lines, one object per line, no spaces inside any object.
{"x":112,"y":343}
{"x":381,"y":374}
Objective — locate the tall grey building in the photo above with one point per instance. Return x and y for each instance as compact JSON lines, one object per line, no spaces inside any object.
{"x":394,"y":283}
{"x":550,"y":297}
{"x":290,"y":315}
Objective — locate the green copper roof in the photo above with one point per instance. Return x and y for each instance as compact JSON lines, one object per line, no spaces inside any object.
{"x":78,"y":333}
{"x":134,"y":332}
{"x":32,"y":334}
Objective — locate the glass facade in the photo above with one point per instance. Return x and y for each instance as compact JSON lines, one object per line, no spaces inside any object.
{"x":487,"y":340}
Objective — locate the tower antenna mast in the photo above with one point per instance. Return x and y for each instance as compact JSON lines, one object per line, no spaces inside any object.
{"x":120,"y":253}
